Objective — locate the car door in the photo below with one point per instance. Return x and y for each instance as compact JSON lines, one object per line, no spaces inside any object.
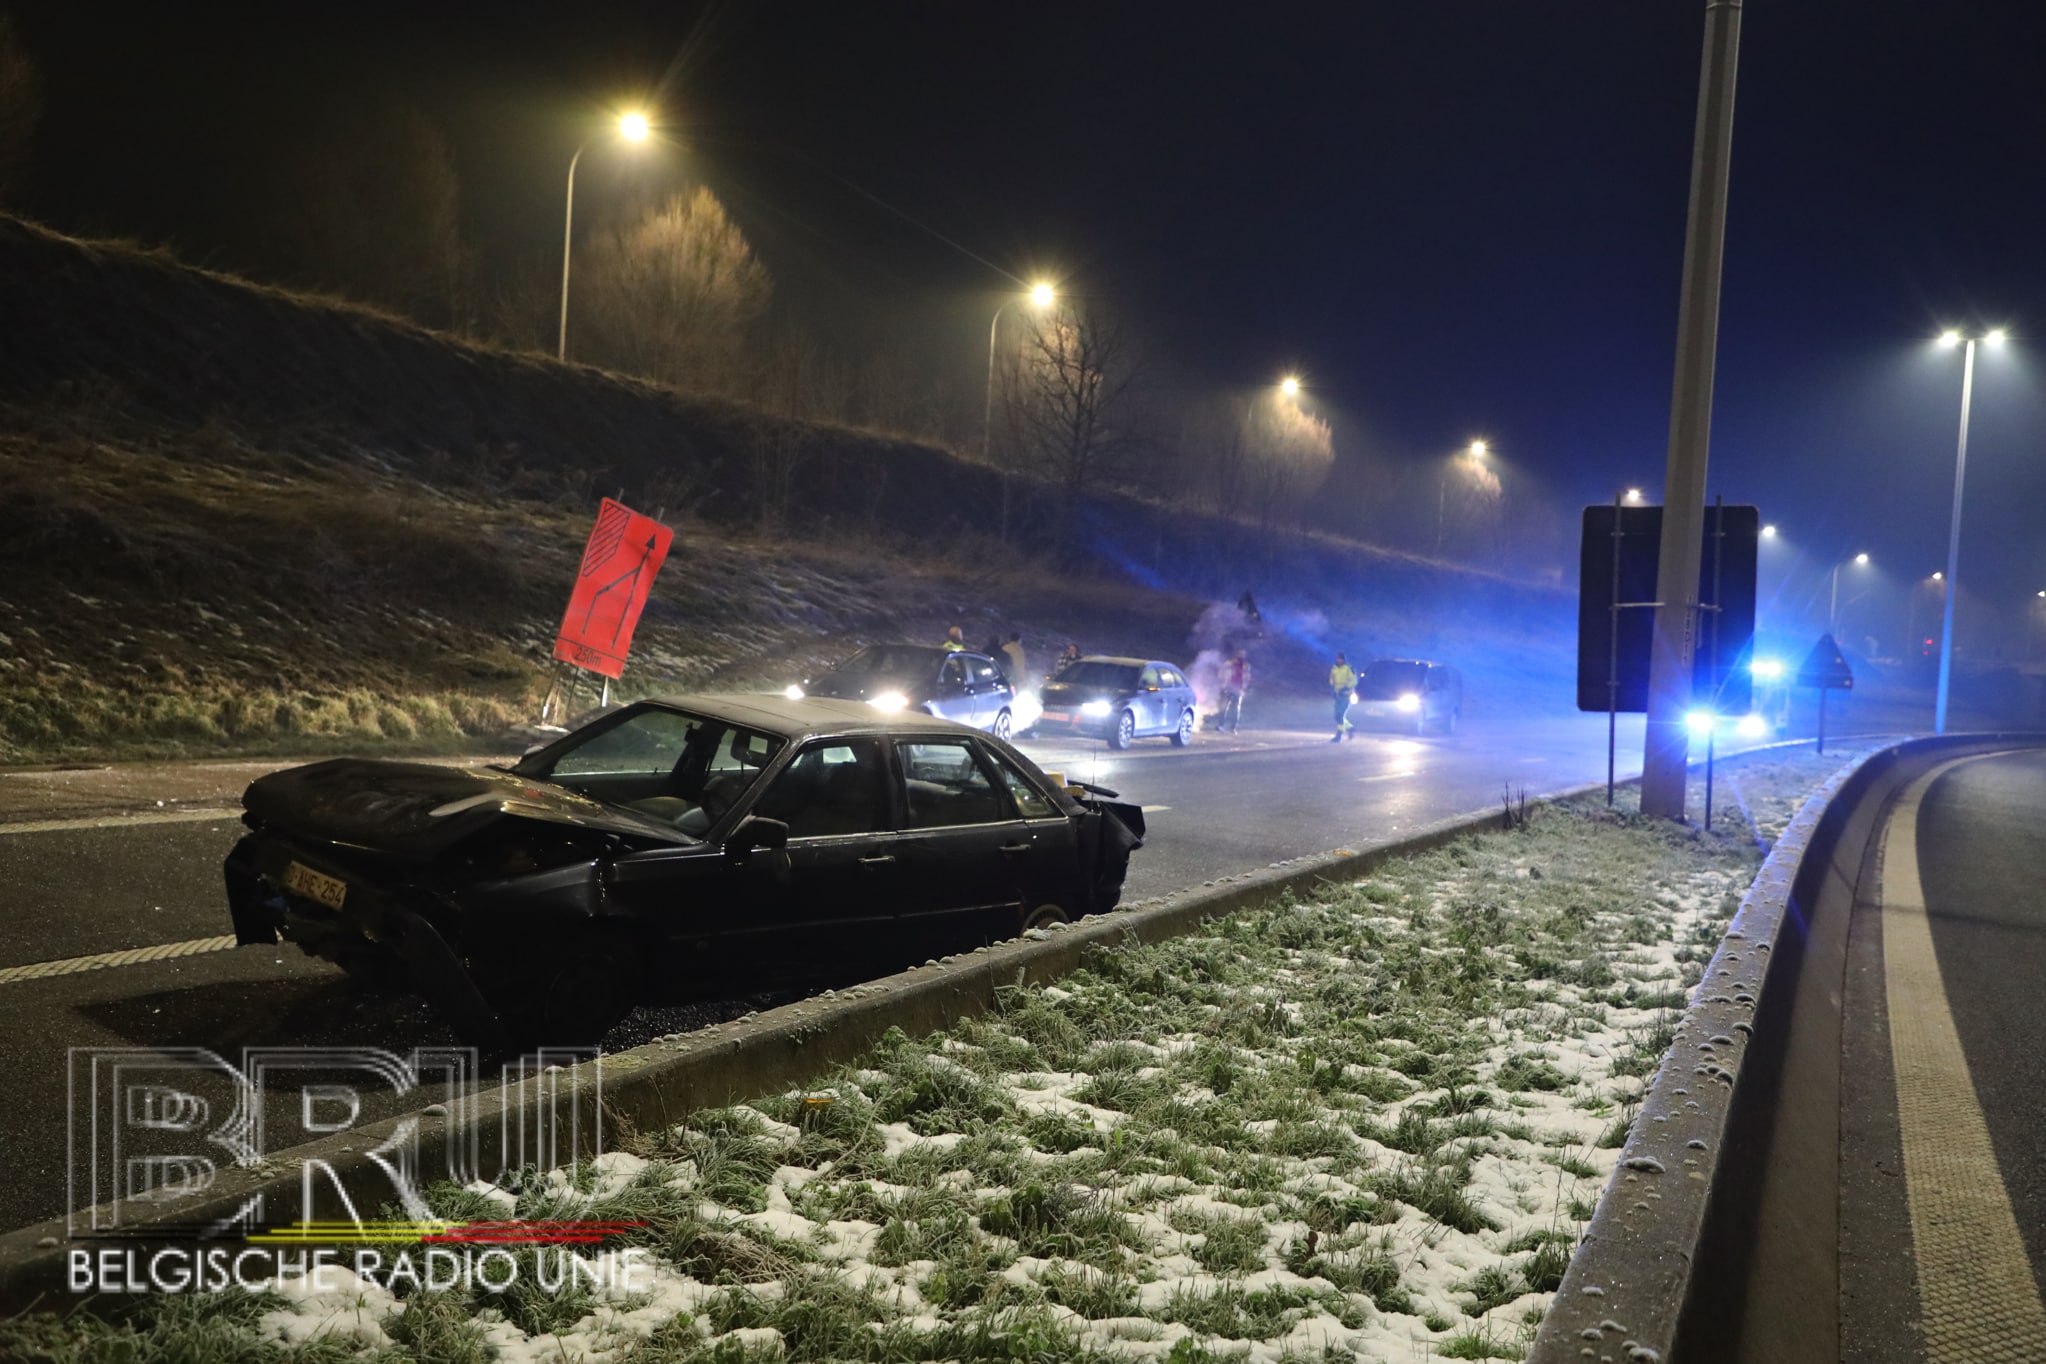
{"x":990,"y":691}
{"x":824,"y":908}
{"x":960,"y":837}
{"x":951,"y":699}
{"x":1149,"y":702}
{"x":1177,"y":697}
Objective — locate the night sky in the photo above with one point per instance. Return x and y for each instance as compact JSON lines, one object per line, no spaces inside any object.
{"x":1452,"y":219}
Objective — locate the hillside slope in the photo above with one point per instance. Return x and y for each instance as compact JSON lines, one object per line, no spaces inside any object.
{"x":238,"y":518}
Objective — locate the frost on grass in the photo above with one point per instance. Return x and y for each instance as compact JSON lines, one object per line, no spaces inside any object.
{"x":1366,"y":1126}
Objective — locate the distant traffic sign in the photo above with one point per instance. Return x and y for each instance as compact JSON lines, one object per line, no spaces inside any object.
{"x":624,"y":552}
{"x":1825,"y":666}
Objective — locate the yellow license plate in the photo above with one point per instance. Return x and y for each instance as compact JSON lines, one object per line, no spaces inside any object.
{"x":314,"y":885}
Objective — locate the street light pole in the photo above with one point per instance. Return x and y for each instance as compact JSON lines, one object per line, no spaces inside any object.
{"x":1041,"y":296}
{"x":633,"y":128}
{"x":1833,"y":607}
{"x":1946,"y":628}
{"x":1476,"y":452}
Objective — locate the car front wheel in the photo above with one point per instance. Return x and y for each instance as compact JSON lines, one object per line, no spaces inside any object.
{"x":1125,"y":730}
{"x":1002,"y":724}
{"x":595,"y":986}
{"x":1183,"y":736}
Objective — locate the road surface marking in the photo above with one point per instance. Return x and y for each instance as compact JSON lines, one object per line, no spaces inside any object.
{"x":1975,"y":1289}
{"x":1153,"y":809}
{"x":99,"y":961}
{"x":50,"y":826}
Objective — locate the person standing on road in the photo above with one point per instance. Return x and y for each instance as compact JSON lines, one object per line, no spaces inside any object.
{"x":1342,"y":686}
{"x":955,"y":642}
{"x":1235,"y":679}
{"x":1014,"y":652}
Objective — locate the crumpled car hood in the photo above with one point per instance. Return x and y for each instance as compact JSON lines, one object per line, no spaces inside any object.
{"x":421,"y":808}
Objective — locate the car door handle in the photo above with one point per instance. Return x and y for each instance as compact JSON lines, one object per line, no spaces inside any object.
{"x":883,"y":860}
{"x":1015,"y":847}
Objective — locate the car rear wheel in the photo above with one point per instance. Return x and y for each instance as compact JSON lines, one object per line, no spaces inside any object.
{"x":1183,"y":736}
{"x":1044,"y":916}
{"x":1002,"y":725}
{"x":1125,"y":731}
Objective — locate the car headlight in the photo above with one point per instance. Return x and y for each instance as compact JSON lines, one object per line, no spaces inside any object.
{"x":1094,"y":709}
{"x":1753,"y":726}
{"x":1766,"y":669}
{"x":1408,"y":701}
{"x":1700,"y":721}
{"x":793,"y":692}
{"x":889,"y":700}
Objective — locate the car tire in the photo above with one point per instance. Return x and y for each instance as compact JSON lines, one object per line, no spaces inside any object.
{"x":1002,"y":725}
{"x":1183,"y":736}
{"x":1044,"y":916}
{"x":1124,"y":731}
{"x":1449,"y":720}
{"x":595,"y":986}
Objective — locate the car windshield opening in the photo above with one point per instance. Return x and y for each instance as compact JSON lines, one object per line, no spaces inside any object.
{"x":1095,"y":673}
{"x":889,"y":660}
{"x":1387,"y":680}
{"x":661,"y":763}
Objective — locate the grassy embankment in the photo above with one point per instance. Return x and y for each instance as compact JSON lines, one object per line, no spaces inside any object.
{"x":238,"y":519}
{"x":1366,"y":1126}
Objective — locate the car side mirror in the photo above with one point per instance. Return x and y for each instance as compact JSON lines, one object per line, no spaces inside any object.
{"x":756,"y":833}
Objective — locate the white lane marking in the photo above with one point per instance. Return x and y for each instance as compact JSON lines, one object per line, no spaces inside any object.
{"x":1153,"y":809}
{"x":99,"y":961}
{"x":50,"y":826}
{"x":1975,"y":1291}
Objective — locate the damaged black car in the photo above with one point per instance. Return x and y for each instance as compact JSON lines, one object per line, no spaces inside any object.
{"x":673,"y":850}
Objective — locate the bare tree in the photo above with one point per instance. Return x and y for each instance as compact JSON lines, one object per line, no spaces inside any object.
{"x":372,"y":209}
{"x":677,"y":296}
{"x":1287,"y":454}
{"x":1070,"y":405}
{"x":21,"y":106}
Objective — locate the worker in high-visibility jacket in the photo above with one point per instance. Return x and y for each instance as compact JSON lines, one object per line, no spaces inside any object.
{"x":1342,"y":686}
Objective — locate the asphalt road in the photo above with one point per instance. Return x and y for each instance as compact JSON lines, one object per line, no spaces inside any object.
{"x":114,"y":873}
{"x":1944,"y":1206}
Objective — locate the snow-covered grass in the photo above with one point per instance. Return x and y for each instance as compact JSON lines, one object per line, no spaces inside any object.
{"x":1370,"y":1125}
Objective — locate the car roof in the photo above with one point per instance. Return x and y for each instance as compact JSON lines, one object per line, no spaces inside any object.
{"x":1127,"y":662}
{"x":799,"y":719}
{"x":933,"y":652}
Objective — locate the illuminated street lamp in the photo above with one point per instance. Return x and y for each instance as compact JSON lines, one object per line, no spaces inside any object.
{"x":632,"y":127}
{"x":1290,"y":386}
{"x":1769,"y":532}
{"x":1948,"y":340}
{"x":1634,"y":496}
{"x":1041,"y":296}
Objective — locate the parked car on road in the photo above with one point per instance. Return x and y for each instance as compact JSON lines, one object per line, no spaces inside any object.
{"x":1120,"y":700}
{"x":671,"y":850}
{"x":956,"y":685}
{"x":1408,"y":694}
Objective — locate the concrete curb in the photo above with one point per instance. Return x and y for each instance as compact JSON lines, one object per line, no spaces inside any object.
{"x":1716,"y":1230}
{"x":655,"y":1085}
